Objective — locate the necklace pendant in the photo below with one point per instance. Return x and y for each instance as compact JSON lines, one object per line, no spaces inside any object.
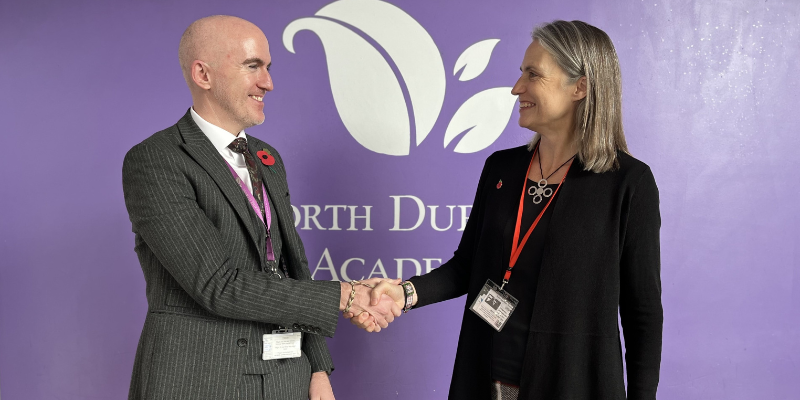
{"x":540,"y":191}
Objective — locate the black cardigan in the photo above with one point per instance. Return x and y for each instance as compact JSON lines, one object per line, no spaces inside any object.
{"x":601,"y":256}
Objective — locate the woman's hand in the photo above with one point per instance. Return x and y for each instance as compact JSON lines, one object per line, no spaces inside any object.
{"x":382,"y":287}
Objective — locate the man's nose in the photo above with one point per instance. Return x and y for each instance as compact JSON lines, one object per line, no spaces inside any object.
{"x":265,"y":81}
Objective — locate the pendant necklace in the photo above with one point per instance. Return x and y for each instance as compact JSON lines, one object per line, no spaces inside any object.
{"x":542,"y":189}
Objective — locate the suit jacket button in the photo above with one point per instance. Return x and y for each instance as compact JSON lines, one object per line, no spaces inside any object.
{"x":241,"y":342}
{"x":317,"y":330}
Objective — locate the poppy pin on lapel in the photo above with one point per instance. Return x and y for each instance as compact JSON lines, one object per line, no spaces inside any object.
{"x":500,"y":184}
{"x":266,"y":158}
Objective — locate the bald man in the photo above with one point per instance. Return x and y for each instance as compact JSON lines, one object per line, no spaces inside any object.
{"x":225,"y":269}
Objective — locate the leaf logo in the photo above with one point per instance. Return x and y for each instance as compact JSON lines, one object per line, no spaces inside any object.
{"x":368,"y":95}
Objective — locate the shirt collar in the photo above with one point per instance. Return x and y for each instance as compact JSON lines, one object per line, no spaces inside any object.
{"x":219,"y":137}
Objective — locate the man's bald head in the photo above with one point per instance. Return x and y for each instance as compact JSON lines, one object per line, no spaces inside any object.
{"x":225,"y":61}
{"x":209,"y":39}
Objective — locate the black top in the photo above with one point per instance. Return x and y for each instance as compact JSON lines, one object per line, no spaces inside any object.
{"x":600,"y":265}
{"x":508,"y":345}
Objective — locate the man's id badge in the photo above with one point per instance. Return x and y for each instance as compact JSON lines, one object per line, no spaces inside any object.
{"x":282,"y":343}
{"x":494,"y":305}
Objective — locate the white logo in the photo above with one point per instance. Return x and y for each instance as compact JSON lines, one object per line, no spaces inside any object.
{"x":368,"y":95}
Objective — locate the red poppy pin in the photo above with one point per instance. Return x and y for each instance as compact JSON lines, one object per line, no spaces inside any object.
{"x":500,"y":184}
{"x":266,"y":158}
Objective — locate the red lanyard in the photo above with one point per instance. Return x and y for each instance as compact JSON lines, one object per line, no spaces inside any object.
{"x":517,"y":249}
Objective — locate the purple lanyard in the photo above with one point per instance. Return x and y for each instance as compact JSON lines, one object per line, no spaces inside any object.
{"x":254,"y":203}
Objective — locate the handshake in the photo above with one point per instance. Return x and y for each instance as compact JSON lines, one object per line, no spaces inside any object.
{"x":373,"y":304}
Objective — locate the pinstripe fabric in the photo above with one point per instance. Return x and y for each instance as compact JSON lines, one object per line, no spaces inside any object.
{"x":201,"y":248}
{"x":275,"y":385}
{"x":250,"y":386}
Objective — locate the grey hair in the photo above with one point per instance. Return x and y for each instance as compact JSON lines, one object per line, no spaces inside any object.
{"x":580,"y":50}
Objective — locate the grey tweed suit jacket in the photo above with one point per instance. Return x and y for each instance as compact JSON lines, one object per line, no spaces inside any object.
{"x":201,"y":248}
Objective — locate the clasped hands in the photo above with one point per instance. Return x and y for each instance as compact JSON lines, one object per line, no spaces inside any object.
{"x":375,"y":304}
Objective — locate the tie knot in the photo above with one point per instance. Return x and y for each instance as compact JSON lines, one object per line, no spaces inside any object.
{"x":239,"y":145}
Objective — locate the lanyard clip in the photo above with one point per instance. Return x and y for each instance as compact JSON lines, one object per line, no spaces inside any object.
{"x":506,"y":277}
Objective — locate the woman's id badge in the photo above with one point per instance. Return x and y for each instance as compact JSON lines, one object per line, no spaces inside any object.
{"x":494,"y":305}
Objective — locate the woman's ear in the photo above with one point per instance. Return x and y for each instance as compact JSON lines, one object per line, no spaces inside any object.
{"x":580,"y":89}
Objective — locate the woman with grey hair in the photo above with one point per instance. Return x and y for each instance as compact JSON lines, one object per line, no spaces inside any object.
{"x":549,"y":259}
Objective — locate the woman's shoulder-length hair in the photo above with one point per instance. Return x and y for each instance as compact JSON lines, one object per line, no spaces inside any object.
{"x":580,"y":50}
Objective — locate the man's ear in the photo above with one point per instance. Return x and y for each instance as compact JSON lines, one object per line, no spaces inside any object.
{"x":580,"y":89}
{"x":201,"y":74}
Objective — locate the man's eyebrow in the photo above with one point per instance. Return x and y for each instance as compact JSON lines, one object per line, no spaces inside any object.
{"x":254,"y":60}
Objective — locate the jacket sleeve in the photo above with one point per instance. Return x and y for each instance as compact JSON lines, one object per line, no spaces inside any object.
{"x":316,"y":350}
{"x":452,"y":278}
{"x":165,"y":214}
{"x":640,"y":290}
{"x":314,"y":346}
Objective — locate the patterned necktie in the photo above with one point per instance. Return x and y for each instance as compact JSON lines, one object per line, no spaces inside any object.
{"x":240,"y":146}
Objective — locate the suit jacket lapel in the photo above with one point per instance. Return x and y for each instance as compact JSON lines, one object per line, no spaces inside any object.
{"x":273,"y":182}
{"x":203,"y":152}
{"x":277,"y":188}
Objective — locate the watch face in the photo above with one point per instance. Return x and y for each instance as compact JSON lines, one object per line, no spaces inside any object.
{"x":407,"y":288}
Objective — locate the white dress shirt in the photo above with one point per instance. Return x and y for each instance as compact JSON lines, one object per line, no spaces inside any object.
{"x":221,"y":138}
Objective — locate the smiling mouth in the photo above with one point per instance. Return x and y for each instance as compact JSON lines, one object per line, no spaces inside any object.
{"x":525,"y":104}
{"x":257,"y":98}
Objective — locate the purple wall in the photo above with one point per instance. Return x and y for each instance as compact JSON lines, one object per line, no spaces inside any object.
{"x":710,"y":92}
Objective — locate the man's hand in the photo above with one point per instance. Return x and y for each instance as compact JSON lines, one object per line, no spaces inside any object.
{"x":320,"y":387}
{"x":385,"y":289}
{"x":379,"y":313}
